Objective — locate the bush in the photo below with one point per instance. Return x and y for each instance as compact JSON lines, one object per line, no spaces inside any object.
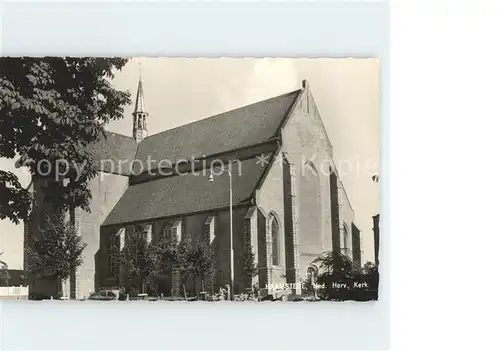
{"x":341,"y":280}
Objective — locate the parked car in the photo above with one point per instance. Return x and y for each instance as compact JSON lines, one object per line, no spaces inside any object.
{"x":282,"y":294}
{"x":108,"y":295}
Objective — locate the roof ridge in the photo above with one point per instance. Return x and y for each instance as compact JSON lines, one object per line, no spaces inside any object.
{"x":221,"y":113}
{"x":119,"y":134}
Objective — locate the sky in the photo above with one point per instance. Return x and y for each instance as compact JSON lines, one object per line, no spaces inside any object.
{"x":179,"y":91}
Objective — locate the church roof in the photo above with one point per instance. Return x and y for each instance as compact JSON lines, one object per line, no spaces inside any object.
{"x":188,"y":193}
{"x":244,"y":126}
{"x":114,"y":153}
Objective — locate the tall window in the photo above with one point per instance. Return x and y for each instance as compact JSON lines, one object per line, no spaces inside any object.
{"x":345,"y":243}
{"x":171,"y":232}
{"x":148,"y":231}
{"x":164,"y":234}
{"x":346,"y":238}
{"x":275,"y":240}
{"x":113,"y":255}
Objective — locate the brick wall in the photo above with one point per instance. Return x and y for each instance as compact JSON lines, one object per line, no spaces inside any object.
{"x":347,"y":211}
{"x":356,"y":245}
{"x":335,"y":211}
{"x":270,"y":200}
{"x":292,"y":226}
{"x":194,"y":228}
{"x":251,"y":242}
{"x":39,"y":285}
{"x":222,"y":244}
{"x":264,"y":250}
{"x":106,"y":190}
{"x":111,"y":188}
{"x":306,"y":143}
{"x":310,"y":215}
{"x":307,"y":196}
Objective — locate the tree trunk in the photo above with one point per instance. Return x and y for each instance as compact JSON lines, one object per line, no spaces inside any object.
{"x":202,"y":284}
{"x":58,"y":288}
{"x":72,"y":277}
{"x":185,"y":293}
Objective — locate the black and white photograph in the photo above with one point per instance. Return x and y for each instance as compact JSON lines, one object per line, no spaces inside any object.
{"x":189,"y":180}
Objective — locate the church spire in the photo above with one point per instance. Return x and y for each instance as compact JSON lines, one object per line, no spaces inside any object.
{"x":139,"y":100}
{"x":140,"y":130}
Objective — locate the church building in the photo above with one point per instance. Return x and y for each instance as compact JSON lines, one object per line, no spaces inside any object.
{"x":265,"y":170}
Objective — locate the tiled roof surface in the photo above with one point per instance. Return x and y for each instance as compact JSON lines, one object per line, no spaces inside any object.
{"x":245,"y":126}
{"x":181,"y":194}
{"x":114,"y":153}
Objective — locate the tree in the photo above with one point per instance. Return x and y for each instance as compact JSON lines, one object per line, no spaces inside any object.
{"x":337,"y":269}
{"x":4,"y":273}
{"x":178,"y":258}
{"x":250,"y":267}
{"x":308,"y":286}
{"x":15,"y":201}
{"x":369,"y":267}
{"x":166,"y":253}
{"x":201,"y":262}
{"x":52,"y":110}
{"x":342,"y":280}
{"x":333,"y":262}
{"x":182,"y":263}
{"x":370,"y":275}
{"x":139,"y":257}
{"x":57,"y":251}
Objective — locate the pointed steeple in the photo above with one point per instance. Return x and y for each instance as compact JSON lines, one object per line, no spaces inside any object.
{"x":139,"y":100}
{"x":140,"y":130}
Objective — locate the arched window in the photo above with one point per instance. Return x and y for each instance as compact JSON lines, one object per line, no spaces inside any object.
{"x":148,"y":232}
{"x":274,"y":227}
{"x":113,"y":251}
{"x":346,"y":241}
{"x":171,"y":232}
{"x":164,"y":234}
{"x":346,"y":237}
